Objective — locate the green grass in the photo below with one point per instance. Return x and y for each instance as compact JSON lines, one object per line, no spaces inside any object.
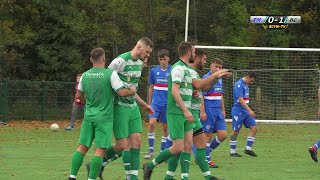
{"x":38,"y":153}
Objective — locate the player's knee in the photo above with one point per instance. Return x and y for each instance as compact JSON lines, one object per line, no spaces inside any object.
{"x":254,"y":129}
{"x":82,"y":149}
{"x":233,"y":137}
{"x":121,"y":145}
{"x":99,"y":152}
{"x":222,"y":137}
{"x":177,"y":149}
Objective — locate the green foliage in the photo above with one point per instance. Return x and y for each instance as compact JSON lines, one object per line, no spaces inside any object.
{"x":51,"y":40}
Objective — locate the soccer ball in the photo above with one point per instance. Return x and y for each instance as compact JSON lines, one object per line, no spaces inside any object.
{"x":54,"y":127}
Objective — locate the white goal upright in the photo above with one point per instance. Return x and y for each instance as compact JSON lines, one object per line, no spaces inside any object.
{"x":286,"y":87}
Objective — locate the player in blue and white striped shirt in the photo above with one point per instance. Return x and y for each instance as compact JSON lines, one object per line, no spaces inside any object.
{"x":157,"y":98}
{"x":214,"y":107}
{"x":242,"y":114}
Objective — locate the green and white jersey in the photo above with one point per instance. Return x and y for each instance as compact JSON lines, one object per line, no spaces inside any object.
{"x":99,"y":86}
{"x":195,"y":103}
{"x":180,"y":74}
{"x":129,"y":71}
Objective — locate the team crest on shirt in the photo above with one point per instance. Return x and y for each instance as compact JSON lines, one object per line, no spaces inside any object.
{"x":207,"y":127}
{"x":158,"y":73}
{"x":167,"y":74}
{"x":220,"y":80}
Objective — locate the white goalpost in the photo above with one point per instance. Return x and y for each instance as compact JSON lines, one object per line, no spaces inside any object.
{"x":286,"y":87}
{"x":287,"y":83}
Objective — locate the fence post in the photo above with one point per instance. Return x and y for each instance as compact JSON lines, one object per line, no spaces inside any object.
{"x":4,"y":100}
{"x":44,"y":90}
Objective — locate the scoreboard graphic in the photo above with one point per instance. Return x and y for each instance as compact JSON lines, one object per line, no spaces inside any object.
{"x":275,"y":22}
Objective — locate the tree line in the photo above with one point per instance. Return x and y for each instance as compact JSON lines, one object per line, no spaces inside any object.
{"x":51,"y":40}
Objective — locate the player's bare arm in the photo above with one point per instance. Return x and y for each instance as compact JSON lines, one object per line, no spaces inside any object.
{"x":244,"y":104}
{"x":150,"y":93}
{"x":127,"y":92}
{"x":178,"y":99}
{"x":81,"y":96}
{"x":207,"y":83}
{"x":223,"y":110}
{"x":203,"y":115}
{"x":144,"y":104}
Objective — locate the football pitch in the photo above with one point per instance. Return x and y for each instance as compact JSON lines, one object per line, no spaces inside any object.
{"x":29,"y":151}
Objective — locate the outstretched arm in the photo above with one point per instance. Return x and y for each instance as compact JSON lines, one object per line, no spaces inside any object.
{"x":207,"y":83}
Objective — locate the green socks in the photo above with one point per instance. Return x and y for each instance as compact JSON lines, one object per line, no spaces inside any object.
{"x":172,"y":166}
{"x":77,"y":160}
{"x":134,"y":162}
{"x":185,"y":165}
{"x":203,"y":163}
{"x":164,"y":155}
{"x":95,"y":166}
{"x":126,"y":161}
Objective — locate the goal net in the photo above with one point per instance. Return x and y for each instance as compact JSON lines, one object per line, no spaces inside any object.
{"x":285,"y":90}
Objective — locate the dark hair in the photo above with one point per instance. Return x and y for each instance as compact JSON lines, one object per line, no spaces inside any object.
{"x":96,"y":53}
{"x":251,"y":74}
{"x":184,"y":47}
{"x":200,"y":52}
{"x":162,"y":53}
{"x":217,"y":61}
{"x":146,"y":41}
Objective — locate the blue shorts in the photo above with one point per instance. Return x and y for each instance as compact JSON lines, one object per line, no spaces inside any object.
{"x":215,"y":120}
{"x":240,"y":117}
{"x":160,"y":112}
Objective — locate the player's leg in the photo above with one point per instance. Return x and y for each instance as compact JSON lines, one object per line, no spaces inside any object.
{"x":313,"y":151}
{"x":103,"y":139}
{"x":122,"y":115}
{"x":135,"y":130}
{"x":250,"y":123}
{"x":165,"y":132}
{"x":186,"y":154}
{"x":199,"y":140}
{"x":121,"y":132}
{"x":74,"y":113}
{"x":151,"y":137}
{"x":237,"y":120}
{"x":85,"y":141}
{"x":208,"y":128}
{"x":151,"y":130}
{"x":220,"y":128}
{"x":176,"y":129}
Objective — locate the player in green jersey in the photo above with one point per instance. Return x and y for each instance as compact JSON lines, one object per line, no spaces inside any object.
{"x":197,"y":108}
{"x":128,"y":123}
{"x":97,"y":87}
{"x":180,"y":120}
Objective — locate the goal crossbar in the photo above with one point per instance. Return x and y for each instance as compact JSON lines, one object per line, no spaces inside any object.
{"x":260,"y":48}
